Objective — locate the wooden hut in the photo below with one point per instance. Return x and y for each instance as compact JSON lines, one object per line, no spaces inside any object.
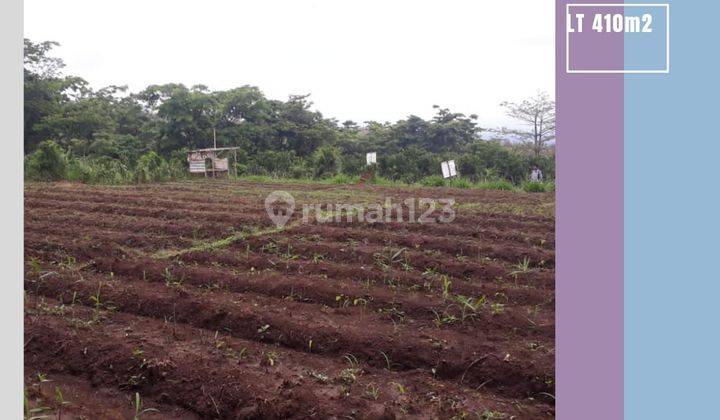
{"x":212,"y":162}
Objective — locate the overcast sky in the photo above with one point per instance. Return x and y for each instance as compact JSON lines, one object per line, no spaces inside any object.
{"x":360,"y":59}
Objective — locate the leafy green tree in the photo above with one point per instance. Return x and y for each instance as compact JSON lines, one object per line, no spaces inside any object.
{"x":451,"y":131}
{"x":111,"y":135}
{"x":45,"y":89}
{"x":327,"y":161}
{"x":47,"y":163}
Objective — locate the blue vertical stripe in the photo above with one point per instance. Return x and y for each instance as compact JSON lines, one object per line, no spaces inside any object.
{"x":672,"y":226}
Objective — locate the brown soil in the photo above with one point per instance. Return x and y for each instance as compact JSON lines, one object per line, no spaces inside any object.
{"x":180,"y":294}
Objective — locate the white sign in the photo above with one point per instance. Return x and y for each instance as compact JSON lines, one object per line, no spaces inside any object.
{"x":448,"y":169}
{"x":197,"y":165}
{"x":371,"y":158}
{"x":451,"y":166}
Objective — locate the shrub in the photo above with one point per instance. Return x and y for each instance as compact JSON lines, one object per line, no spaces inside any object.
{"x":241,"y":169}
{"x":151,"y":167}
{"x":344,"y":179}
{"x":47,"y":163}
{"x":459,"y":183}
{"x":433,"y":181}
{"x":327,"y":161}
{"x":300,"y":171}
{"x":275,"y":163}
{"x":100,"y":170}
{"x":538,"y":187}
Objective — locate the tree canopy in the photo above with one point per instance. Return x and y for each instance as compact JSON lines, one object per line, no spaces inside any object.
{"x":129,"y":130}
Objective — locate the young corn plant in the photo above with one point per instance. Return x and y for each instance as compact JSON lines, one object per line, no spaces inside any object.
{"x":272,"y":358}
{"x":521,"y":267}
{"x":139,"y":411}
{"x":386,"y":260}
{"x":32,"y":413}
{"x":350,"y":374}
{"x":444,"y":318}
{"x":373,"y":391}
{"x":446,"y":284}
{"x":171,"y":280}
{"x":469,"y":306}
{"x":429,"y":272}
{"x":97,"y":304}
{"x":34,"y":265}
{"x":400,"y":387}
{"x":497,"y":308}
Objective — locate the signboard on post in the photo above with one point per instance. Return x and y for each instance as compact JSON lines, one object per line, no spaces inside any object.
{"x":197,"y":166}
{"x":371,"y":158}
{"x":448,"y":169}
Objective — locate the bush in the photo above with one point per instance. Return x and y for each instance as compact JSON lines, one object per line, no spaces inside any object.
{"x":459,"y":183}
{"x":278,"y":164}
{"x":327,"y":161}
{"x":47,"y":163}
{"x":344,"y":179}
{"x":300,"y":171}
{"x":532,"y":187}
{"x":102,"y":170}
{"x":151,"y":167}
{"x":241,"y":169}
{"x":433,"y":181}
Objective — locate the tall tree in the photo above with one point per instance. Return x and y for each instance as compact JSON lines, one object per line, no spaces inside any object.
{"x":45,"y":89}
{"x":538,"y":114}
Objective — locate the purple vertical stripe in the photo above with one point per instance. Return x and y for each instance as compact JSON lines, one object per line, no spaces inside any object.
{"x":589,"y":284}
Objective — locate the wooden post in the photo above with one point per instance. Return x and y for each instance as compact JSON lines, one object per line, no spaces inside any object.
{"x":235,"y":162}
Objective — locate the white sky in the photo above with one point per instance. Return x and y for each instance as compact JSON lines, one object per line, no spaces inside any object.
{"x":360,"y":59}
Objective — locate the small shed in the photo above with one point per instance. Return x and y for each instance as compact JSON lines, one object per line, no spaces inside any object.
{"x":212,"y":162}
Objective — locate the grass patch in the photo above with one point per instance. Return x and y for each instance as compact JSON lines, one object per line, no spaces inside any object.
{"x":533,"y":187}
{"x":500,"y":185}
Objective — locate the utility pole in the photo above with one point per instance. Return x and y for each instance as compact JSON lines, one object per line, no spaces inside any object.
{"x":214,"y":139}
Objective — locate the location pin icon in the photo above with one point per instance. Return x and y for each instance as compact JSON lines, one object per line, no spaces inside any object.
{"x":279,"y":206}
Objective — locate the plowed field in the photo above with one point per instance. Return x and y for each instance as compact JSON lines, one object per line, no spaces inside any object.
{"x":187,"y":296}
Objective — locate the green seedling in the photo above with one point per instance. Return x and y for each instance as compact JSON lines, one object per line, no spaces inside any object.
{"x":497,"y":308}
{"x":30,"y":413}
{"x":349,"y":375}
{"x":469,"y":307}
{"x":319,"y":376}
{"x":446,"y":284}
{"x":97,"y":304}
{"x":430,"y":271}
{"x":170,"y":280}
{"x":139,"y":411}
{"x":444,"y":318}
{"x":34,"y":264}
{"x":400,"y":387}
{"x":387,"y":360}
{"x":373,"y":391}
{"x":521,"y":267}
{"x":272,"y":358}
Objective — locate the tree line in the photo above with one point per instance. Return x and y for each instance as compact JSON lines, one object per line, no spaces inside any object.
{"x":111,"y":135}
